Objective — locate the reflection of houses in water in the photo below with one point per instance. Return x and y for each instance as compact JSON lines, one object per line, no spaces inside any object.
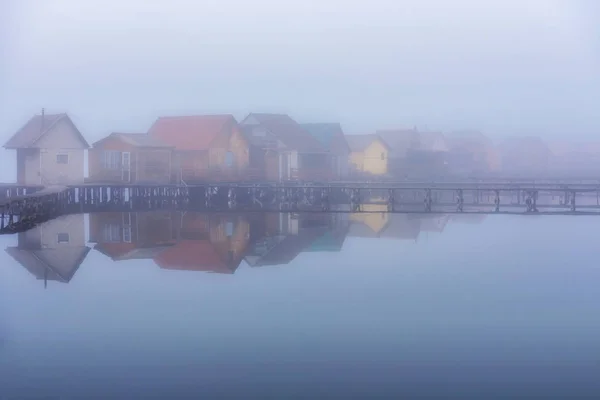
{"x":434,"y":222}
{"x":285,"y":235}
{"x":402,"y":226}
{"x":210,"y":243}
{"x":174,"y":240}
{"x":375,"y":222}
{"x":127,"y":236}
{"x":472,"y":218}
{"x":54,"y":250}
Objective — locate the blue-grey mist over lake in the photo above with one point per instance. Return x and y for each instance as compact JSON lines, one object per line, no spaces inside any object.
{"x":457,"y":306}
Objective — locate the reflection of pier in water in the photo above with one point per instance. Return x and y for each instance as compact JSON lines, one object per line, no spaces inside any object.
{"x":212,"y":243}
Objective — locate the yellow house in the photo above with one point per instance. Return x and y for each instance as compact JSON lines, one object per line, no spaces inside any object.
{"x":368,"y":154}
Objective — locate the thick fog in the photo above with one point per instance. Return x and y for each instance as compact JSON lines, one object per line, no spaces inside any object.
{"x":507,"y":67}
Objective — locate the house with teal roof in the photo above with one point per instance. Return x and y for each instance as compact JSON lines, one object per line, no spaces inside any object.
{"x":331,"y":136}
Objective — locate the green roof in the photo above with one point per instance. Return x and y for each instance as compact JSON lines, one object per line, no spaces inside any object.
{"x":326,"y":242}
{"x":324,"y":133}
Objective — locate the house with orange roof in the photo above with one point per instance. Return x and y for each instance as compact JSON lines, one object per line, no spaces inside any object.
{"x":284,"y":150}
{"x":205,"y":147}
{"x":130,"y":158}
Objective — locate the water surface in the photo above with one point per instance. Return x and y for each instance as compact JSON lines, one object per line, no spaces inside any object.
{"x":283,"y":306}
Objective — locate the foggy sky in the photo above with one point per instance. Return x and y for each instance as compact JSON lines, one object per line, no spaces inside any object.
{"x":509,"y":67}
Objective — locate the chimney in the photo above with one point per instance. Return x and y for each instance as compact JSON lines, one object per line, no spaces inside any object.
{"x":42,"y":124}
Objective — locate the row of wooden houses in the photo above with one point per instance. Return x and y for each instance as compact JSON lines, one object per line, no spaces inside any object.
{"x":271,"y":147}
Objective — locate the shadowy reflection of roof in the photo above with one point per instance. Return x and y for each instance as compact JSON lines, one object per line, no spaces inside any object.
{"x":195,"y":255}
{"x":51,"y":264}
{"x":288,"y":248}
{"x":129,"y":251}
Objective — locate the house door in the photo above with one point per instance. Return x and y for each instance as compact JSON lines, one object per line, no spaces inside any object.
{"x":126,"y":227}
{"x":284,"y":166}
{"x":126,"y":166}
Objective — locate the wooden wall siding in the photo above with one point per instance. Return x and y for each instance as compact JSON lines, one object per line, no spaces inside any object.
{"x":21,"y":165}
{"x":230,"y":236}
{"x":153,"y":165}
{"x":62,"y":139}
{"x":100,"y":223}
{"x":98,"y":173}
{"x":314,"y":167}
{"x":212,"y":165}
{"x":154,"y":229}
{"x":146,"y":164}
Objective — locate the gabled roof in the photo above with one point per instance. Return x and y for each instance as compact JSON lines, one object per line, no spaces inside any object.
{"x":134,"y":139}
{"x":468,"y":140}
{"x":429,"y":139}
{"x":118,"y":251}
{"x":524,"y":144}
{"x":330,"y":135}
{"x":284,"y":129}
{"x":361,"y":142}
{"x":50,"y":264}
{"x":402,"y":226}
{"x":195,"y":132}
{"x":36,"y":128}
{"x":563,"y":148}
{"x":329,"y":241}
{"x":400,"y":139}
{"x":195,"y":255}
{"x":288,"y":248}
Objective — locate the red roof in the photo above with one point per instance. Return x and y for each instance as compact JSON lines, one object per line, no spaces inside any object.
{"x":190,"y":132}
{"x":192,"y":255}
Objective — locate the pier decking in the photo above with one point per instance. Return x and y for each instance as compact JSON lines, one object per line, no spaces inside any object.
{"x":21,"y":212}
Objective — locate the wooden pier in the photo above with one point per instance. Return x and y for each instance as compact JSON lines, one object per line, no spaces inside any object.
{"x":21,"y":212}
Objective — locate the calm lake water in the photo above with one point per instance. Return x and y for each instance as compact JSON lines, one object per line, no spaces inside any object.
{"x":173,"y":305}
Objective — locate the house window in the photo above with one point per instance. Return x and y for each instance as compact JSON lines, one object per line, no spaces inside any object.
{"x":111,"y":233}
{"x":111,"y":159}
{"x":229,"y":229}
{"x":382,"y":156}
{"x":229,"y":159}
{"x":62,"y":238}
{"x":62,"y":158}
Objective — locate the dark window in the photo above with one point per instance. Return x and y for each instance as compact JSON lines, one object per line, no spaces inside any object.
{"x":62,"y":238}
{"x":62,"y":158}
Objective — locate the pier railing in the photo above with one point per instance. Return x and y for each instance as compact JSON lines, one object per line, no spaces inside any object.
{"x":21,"y":212}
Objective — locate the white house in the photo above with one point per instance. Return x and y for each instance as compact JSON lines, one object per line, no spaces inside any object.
{"x":50,"y":151}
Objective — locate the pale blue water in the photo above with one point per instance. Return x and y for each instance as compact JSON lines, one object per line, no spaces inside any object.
{"x":500,"y":307}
